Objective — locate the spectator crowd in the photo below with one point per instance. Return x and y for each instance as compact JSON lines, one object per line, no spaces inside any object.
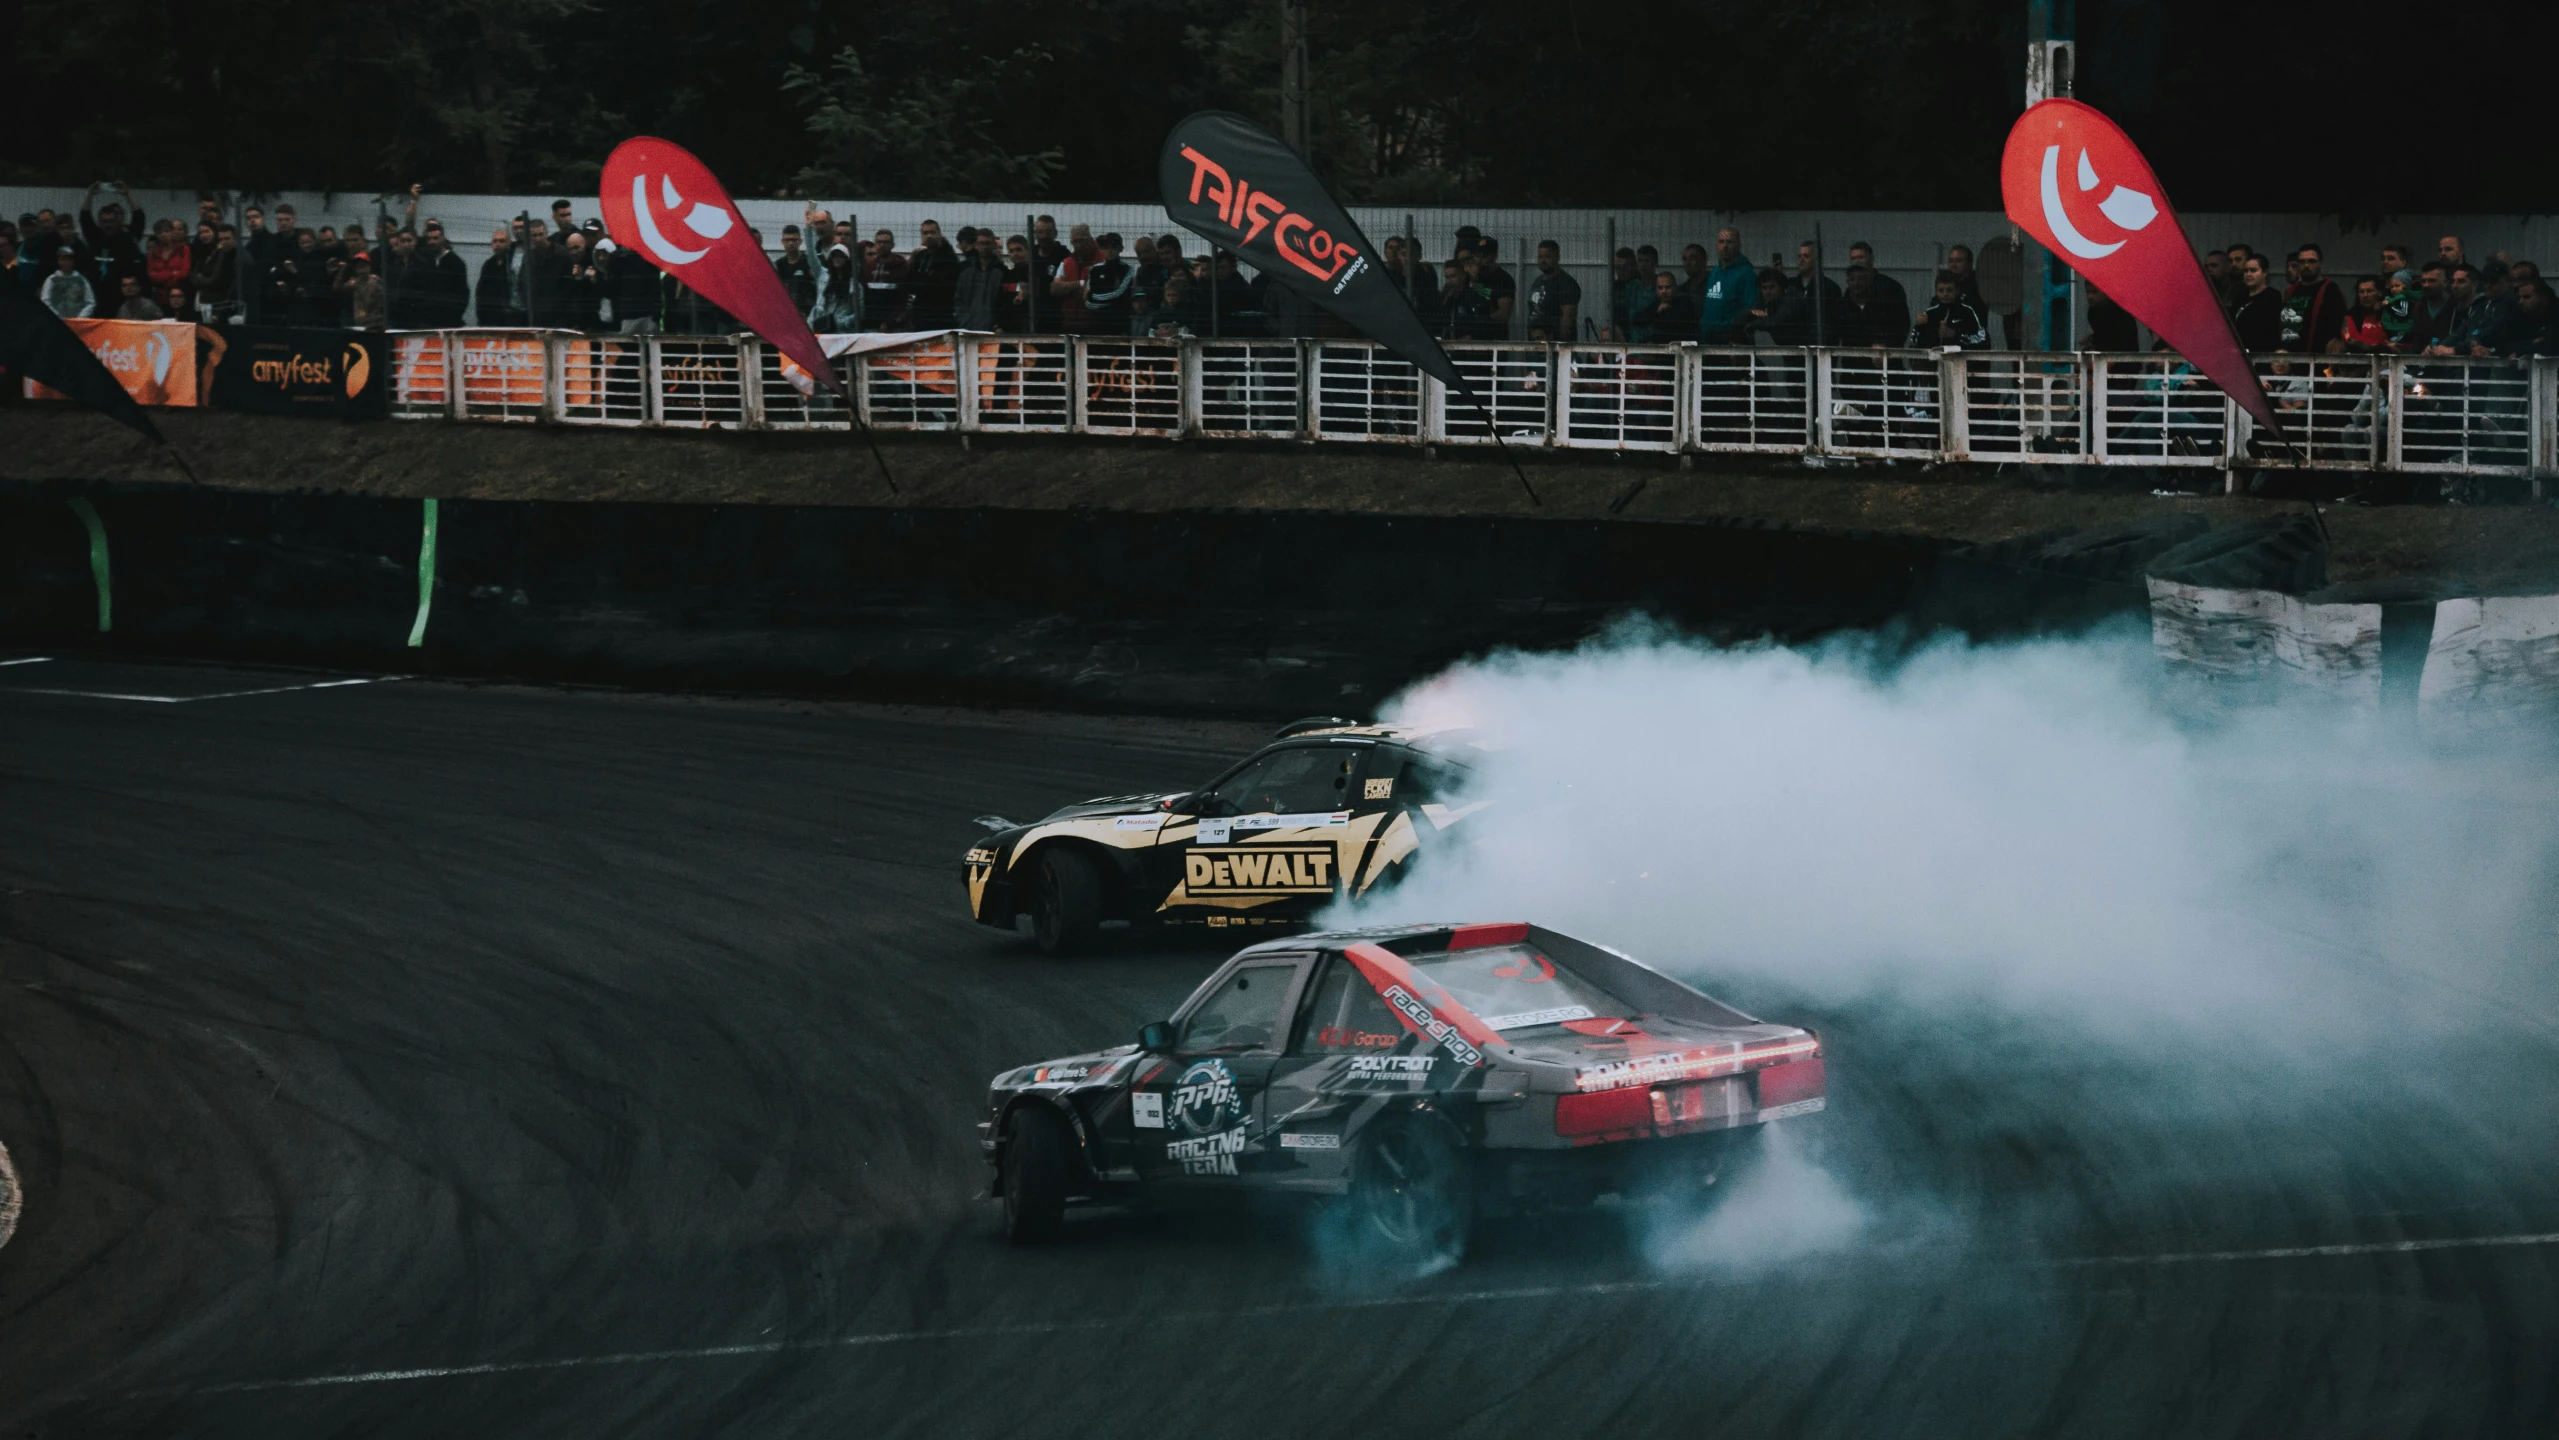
{"x":108,"y":259}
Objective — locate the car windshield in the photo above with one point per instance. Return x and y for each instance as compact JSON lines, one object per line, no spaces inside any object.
{"x":1515,"y":987}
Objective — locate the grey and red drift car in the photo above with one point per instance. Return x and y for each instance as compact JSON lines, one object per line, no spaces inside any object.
{"x":1330,"y":811}
{"x":1423,"y":1074}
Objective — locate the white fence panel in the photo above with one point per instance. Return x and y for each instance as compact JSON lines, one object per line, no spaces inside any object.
{"x":1516,"y":382}
{"x":1619,"y":397}
{"x":2331,"y":407}
{"x":1247,"y":389}
{"x":600,"y":380}
{"x":1363,"y":393}
{"x":506,"y":374}
{"x":1022,"y":384}
{"x":785,"y":408}
{"x":2463,"y":416}
{"x":916,"y":387}
{"x":1753,"y":400}
{"x":1129,"y":387}
{"x":422,"y":375}
{"x":699,"y":381}
{"x":1881,"y":402}
{"x":2020,"y":407}
{"x":2155,"y":410}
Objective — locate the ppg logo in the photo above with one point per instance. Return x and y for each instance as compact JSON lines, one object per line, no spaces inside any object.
{"x":1205,"y":1099}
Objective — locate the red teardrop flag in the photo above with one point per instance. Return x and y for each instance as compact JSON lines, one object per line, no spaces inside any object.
{"x":2078,"y":184}
{"x":662,"y":203}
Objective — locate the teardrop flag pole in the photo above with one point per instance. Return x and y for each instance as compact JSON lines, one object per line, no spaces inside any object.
{"x":2073,"y":180}
{"x":1240,"y":187}
{"x":666,"y":206}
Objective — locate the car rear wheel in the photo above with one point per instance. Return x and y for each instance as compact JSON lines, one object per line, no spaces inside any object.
{"x":1035,"y":1176}
{"x":1410,"y":1193}
{"x":1066,"y":902}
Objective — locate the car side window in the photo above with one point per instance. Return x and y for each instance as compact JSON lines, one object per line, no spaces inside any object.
{"x":1348,"y":1016}
{"x":1297,"y":780}
{"x":1242,"y":1014}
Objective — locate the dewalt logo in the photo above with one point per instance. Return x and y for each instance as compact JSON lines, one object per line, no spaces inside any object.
{"x":1259,"y":870}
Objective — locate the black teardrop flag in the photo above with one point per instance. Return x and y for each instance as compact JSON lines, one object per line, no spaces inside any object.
{"x":35,"y":343}
{"x":1240,"y":186}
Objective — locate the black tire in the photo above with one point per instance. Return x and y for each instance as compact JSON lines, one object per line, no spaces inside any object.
{"x":1036,"y":1167}
{"x":1066,"y":902}
{"x":1412,"y":1195}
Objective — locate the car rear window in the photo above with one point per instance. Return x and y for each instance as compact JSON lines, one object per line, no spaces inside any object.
{"x":1518,"y":987}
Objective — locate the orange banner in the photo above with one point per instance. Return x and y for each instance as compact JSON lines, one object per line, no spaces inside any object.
{"x":501,"y":371}
{"x":153,"y":359}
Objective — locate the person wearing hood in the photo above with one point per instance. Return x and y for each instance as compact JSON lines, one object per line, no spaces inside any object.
{"x":979,"y":294}
{"x":839,"y":294}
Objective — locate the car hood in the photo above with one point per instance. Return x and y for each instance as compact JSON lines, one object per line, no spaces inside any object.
{"x":1096,"y":1068}
{"x":1656,"y":1047}
{"x":1108,"y":805}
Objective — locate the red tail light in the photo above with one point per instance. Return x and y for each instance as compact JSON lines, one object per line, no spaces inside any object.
{"x":1604,"y":1112}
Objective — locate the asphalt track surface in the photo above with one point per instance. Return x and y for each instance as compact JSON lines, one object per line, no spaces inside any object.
{"x":410,"y":1059}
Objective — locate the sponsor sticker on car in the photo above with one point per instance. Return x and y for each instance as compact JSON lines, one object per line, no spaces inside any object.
{"x":1521,"y":1021}
{"x":1457,"y":1045}
{"x":1146,"y":1110}
{"x":1258,"y":870}
{"x":1309,"y":1140}
{"x":1222,"y":829}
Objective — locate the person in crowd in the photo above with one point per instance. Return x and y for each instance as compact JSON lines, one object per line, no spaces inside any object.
{"x":1146,"y":285}
{"x":447,"y":279}
{"x":1628,"y":295}
{"x":839,"y":294}
{"x":362,"y":294}
{"x":883,"y":283}
{"x":2217,"y":275}
{"x":35,"y":239}
{"x":1648,"y":262}
{"x":1693,"y":268}
{"x":200,"y":249}
{"x":2238,"y":289}
{"x":632,"y":282}
{"x":1888,"y":289}
{"x":407,"y":288}
{"x":493,"y":298}
{"x":1066,"y":278}
{"x":1723,"y":310}
{"x":2111,"y":326}
{"x":1864,"y":319}
{"x":579,"y":299}
{"x":2450,"y":251}
{"x":1107,"y":284}
{"x":563,"y":223}
{"x":110,"y":240}
{"x":2398,"y":308}
{"x":1179,"y":313}
{"x":1670,"y":317}
{"x":2395,"y":257}
{"x":2431,"y":316}
{"x":312,"y":300}
{"x":256,"y":240}
{"x":1783,"y":315}
{"x":67,"y":292}
{"x":133,"y":303}
{"x":16,"y":269}
{"x":2530,"y":325}
{"x":1044,"y":241}
{"x":1820,"y":301}
{"x":932,"y":274}
{"x":2259,"y":320}
{"x":1959,"y":258}
{"x":979,"y":295}
{"x":1954,"y":322}
{"x":1404,"y":265}
{"x":2314,"y":309}
{"x":2362,"y":333}
{"x":167,"y":263}
{"x":1554,"y":296}
{"x":798,"y":272}
{"x":217,"y":282}
{"x":1231,"y":302}
{"x":1490,"y":274}
{"x":2473,"y":316}
{"x":1457,"y":307}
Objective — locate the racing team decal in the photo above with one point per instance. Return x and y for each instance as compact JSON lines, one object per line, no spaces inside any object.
{"x":1208,"y":1110}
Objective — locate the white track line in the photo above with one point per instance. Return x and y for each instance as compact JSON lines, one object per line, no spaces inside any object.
{"x":191,"y":699}
{"x":29,"y":660}
{"x":1051,"y":1328}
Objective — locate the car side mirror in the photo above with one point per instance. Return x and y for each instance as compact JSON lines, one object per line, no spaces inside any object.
{"x":1155,"y":1036}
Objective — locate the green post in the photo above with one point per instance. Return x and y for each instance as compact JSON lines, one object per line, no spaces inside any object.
{"x":88,"y":514}
{"x":426,"y":577}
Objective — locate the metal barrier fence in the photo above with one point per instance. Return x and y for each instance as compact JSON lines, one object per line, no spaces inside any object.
{"x":2415,"y":413}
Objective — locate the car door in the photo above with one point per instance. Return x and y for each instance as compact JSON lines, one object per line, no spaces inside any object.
{"x":1196,"y":1113}
{"x":1349,"y":1058}
{"x":1268,"y":842}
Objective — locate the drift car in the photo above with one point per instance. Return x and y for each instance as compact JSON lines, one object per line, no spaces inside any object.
{"x":1329,"y":811}
{"x":1424,"y":1074}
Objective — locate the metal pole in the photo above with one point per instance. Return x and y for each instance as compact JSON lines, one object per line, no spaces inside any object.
{"x":1519,"y":291}
{"x":1295,"y":124}
{"x":1821,"y":324}
{"x":1413,"y":260}
{"x":1611,"y":258}
{"x":2051,"y":63}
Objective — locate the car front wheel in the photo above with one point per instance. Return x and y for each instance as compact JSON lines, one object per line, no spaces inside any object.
{"x":1066,"y":902}
{"x":1035,"y":1177}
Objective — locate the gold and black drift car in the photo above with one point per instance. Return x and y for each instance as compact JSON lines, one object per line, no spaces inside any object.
{"x":1419,"y":1074}
{"x":1330,"y":810}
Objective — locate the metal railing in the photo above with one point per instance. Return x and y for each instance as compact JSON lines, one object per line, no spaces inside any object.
{"x":2346,"y":412}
